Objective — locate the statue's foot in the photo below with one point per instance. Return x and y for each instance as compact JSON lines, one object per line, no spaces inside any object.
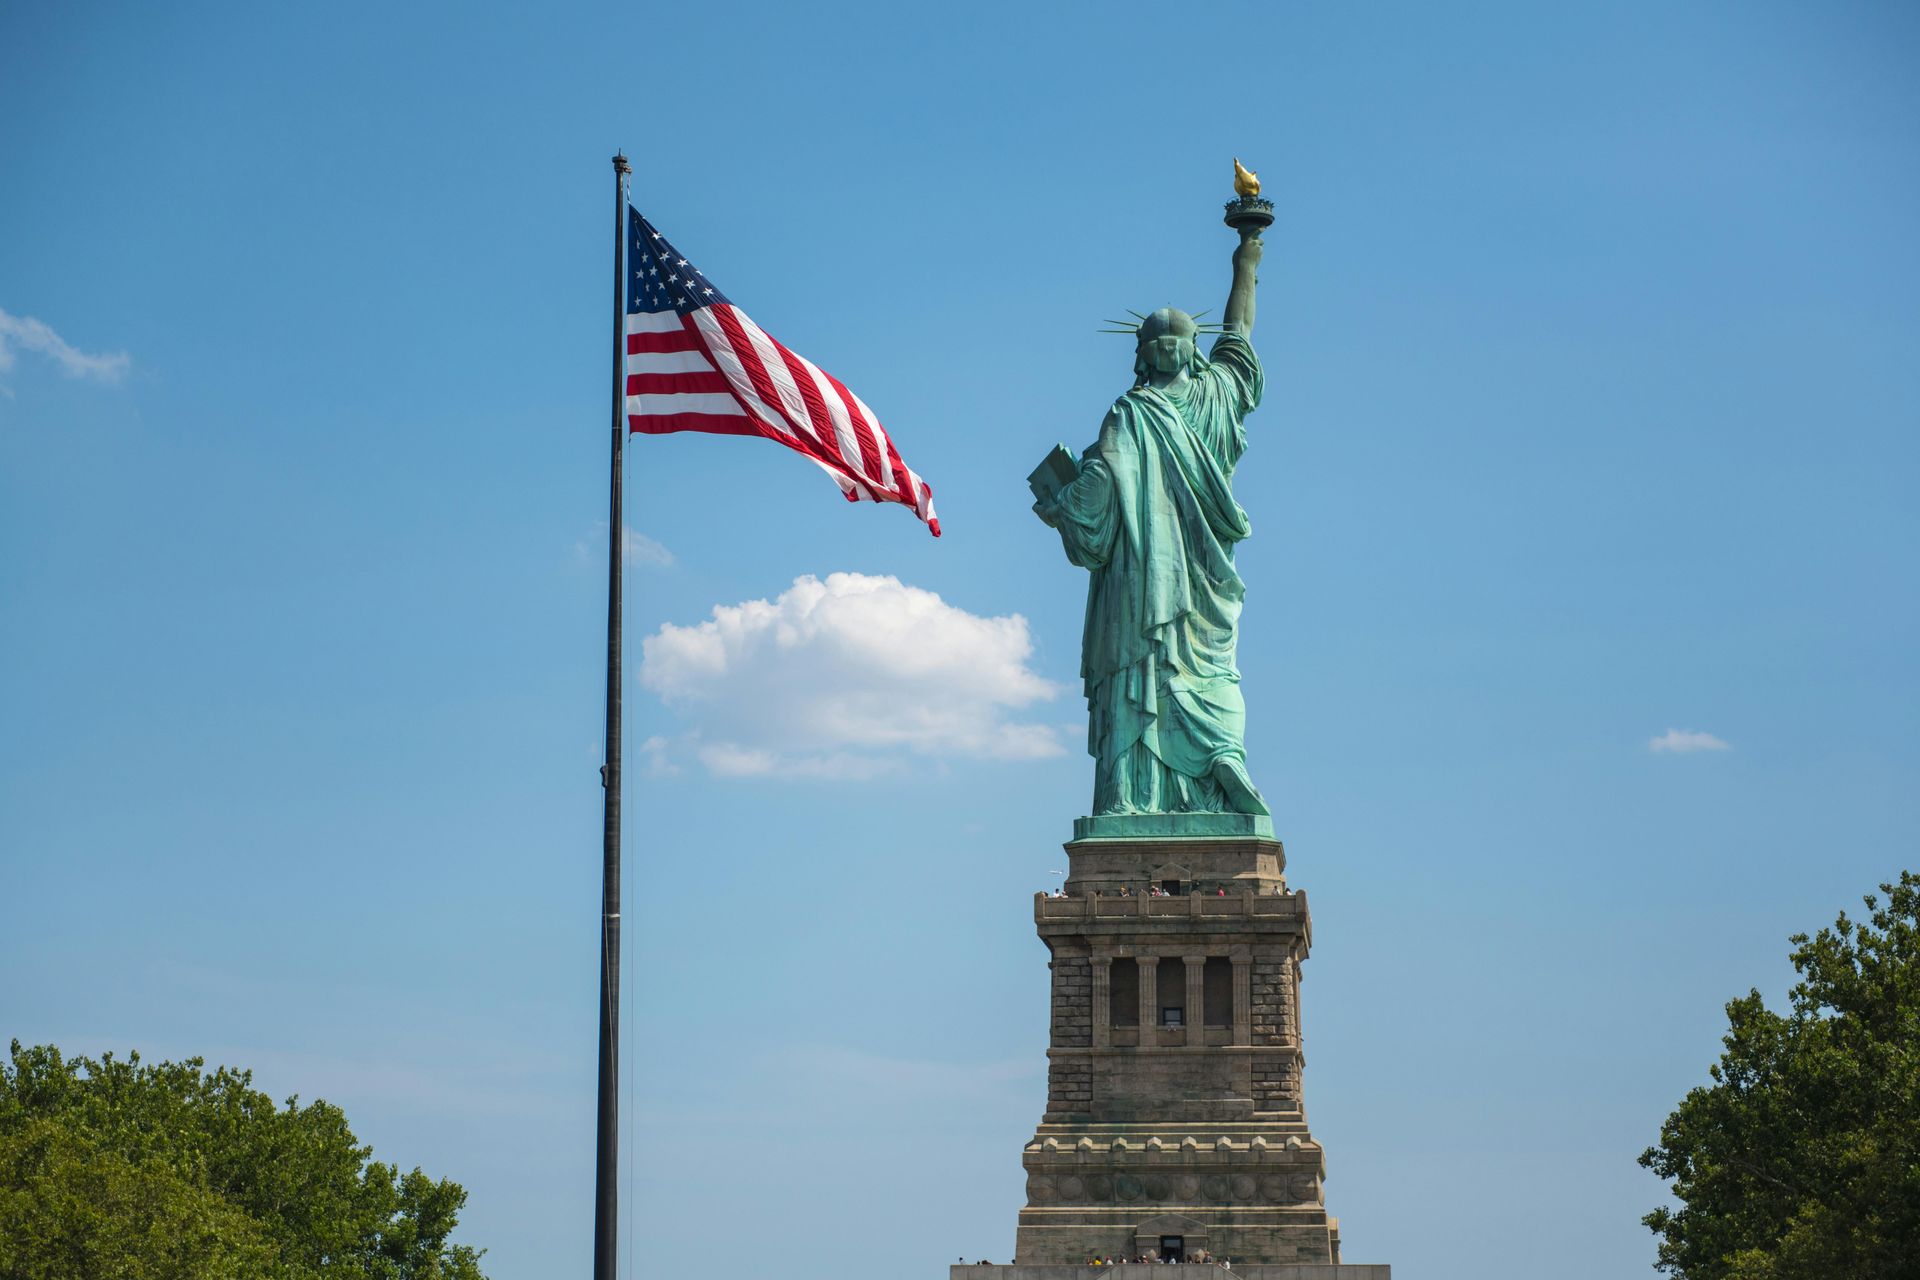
{"x":1239,"y":788}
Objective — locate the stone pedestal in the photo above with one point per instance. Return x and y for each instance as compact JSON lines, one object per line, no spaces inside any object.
{"x":1174,"y":1120}
{"x":1281,"y":1271}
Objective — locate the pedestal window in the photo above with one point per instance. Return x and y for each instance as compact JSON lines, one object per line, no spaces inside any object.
{"x":1123,"y":993}
{"x":1217,"y":983}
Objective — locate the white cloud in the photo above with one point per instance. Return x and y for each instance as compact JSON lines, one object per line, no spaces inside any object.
{"x":1680,"y":741}
{"x":655,"y":750}
{"x":34,"y":335}
{"x":635,"y":547}
{"x":848,"y":678}
{"x":638,"y":548}
{"x":731,"y":760}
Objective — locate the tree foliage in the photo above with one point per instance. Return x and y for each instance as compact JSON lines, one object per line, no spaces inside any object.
{"x":125,"y":1170}
{"x":1801,"y":1161}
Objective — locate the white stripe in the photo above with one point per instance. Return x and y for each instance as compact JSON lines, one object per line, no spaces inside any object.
{"x":922,"y":496}
{"x":654,"y":322}
{"x":880,"y":440}
{"x":846,"y":482}
{"x":777,"y":370}
{"x":846,"y":485}
{"x":842,"y":424}
{"x":669,"y":362}
{"x":685,"y":402}
{"x":722,"y":351}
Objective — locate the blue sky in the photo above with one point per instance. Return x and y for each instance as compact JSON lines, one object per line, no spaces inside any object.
{"x":1591,"y":409}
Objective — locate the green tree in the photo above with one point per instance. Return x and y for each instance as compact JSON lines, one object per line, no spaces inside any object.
{"x":1801,"y":1161}
{"x":123,"y":1170}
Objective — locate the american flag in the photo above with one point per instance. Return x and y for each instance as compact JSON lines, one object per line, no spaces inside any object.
{"x":696,"y":362}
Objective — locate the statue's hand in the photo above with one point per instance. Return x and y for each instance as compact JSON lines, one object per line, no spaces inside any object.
{"x":1049,"y":513}
{"x":1248,"y":254}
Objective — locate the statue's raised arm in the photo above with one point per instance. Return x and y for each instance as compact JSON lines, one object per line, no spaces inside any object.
{"x":1246,"y":275}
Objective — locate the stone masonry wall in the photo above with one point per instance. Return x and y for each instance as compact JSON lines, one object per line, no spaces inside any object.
{"x":1069,"y":1088}
{"x":1276,"y":1077}
{"x":1070,"y":1080}
{"x":1276,"y":1083}
{"x":1072,"y":1002}
{"x":1271,"y":1023}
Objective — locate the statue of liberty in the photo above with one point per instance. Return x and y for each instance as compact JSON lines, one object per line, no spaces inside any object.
{"x":1149,"y":512}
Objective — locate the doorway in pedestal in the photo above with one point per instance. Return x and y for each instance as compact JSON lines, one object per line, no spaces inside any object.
{"x":1173,"y":1236}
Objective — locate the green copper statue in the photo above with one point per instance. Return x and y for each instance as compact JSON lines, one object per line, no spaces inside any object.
{"x":1149,"y":512}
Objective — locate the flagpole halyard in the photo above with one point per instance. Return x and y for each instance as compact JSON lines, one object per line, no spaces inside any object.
{"x":606,"y":1181}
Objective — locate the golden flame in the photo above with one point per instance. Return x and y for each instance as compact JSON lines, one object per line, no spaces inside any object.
{"x":1245,"y":180}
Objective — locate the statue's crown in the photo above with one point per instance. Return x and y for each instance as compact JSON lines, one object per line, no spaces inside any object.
{"x":1166,"y":320}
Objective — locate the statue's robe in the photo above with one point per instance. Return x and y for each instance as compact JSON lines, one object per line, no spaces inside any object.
{"x":1152,"y":515}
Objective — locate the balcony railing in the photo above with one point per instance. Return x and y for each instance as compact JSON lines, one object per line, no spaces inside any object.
{"x":1104,"y":906}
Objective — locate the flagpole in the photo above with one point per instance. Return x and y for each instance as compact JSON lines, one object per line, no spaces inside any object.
{"x":606,"y":1174}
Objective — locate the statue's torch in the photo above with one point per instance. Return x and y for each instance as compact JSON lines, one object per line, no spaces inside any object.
{"x":1249,"y":214}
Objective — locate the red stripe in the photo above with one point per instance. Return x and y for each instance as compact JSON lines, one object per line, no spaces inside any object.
{"x":873,"y":437}
{"x":903,"y":482}
{"x":661,"y":384}
{"x":679,"y":340}
{"x":764,"y":387}
{"x":817,"y":411}
{"x":716,"y":424}
{"x":697,"y":340}
{"x":749,"y":359}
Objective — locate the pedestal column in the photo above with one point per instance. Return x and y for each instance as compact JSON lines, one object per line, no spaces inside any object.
{"x":1196,"y":999}
{"x":1243,"y":999}
{"x":1102,"y":1000}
